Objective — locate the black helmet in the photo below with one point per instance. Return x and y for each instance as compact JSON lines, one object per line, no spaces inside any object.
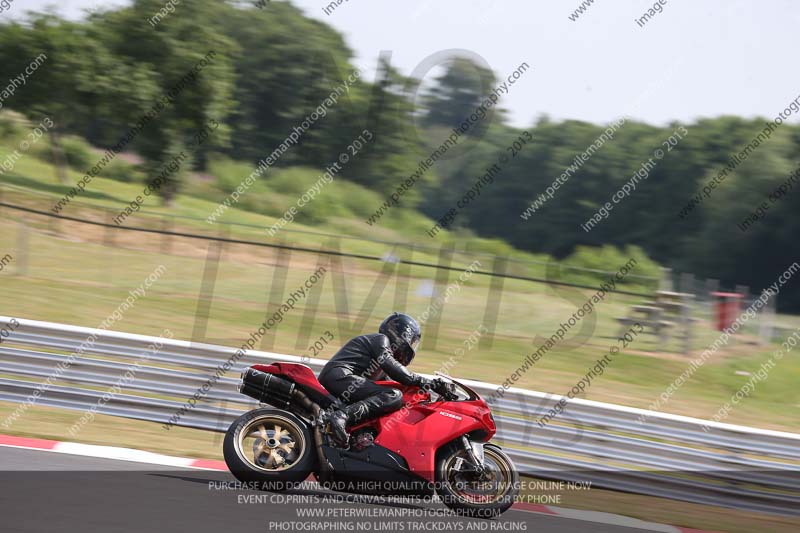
{"x":404,"y":335}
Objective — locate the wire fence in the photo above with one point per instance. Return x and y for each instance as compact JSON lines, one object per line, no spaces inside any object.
{"x":169,"y":227}
{"x":411,"y":271}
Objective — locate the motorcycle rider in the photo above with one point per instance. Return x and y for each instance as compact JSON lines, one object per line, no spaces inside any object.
{"x":351,"y":373}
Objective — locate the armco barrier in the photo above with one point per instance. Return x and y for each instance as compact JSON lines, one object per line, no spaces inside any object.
{"x":666,"y":455}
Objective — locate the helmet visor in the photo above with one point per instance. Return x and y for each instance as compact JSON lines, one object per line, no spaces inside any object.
{"x":405,"y":355}
{"x":415,"y":344}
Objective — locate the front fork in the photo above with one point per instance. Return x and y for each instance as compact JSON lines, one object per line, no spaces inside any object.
{"x":475,"y":453}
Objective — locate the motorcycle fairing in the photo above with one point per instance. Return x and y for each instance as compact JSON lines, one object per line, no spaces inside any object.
{"x":303,"y":377}
{"x":418,"y":430}
{"x":372,"y":470}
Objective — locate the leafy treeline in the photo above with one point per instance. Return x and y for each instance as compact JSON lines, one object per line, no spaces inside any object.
{"x":719,"y":238}
{"x":273,"y":67}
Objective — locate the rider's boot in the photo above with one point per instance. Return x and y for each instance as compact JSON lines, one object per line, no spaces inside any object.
{"x":352,"y":414}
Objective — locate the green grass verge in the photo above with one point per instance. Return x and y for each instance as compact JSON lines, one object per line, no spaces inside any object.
{"x":80,"y":281}
{"x":79,"y":274}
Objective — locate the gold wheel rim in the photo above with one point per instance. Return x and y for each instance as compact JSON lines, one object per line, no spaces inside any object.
{"x":501,"y":469}
{"x":271,"y":443}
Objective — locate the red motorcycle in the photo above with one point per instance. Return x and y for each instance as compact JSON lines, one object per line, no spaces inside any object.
{"x":428,"y":446}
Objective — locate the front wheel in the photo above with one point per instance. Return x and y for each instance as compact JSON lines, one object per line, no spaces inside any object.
{"x":270,"y":447}
{"x":478,"y":495}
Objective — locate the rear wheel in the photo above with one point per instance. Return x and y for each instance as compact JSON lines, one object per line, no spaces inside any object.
{"x":474,"y":494}
{"x":271,"y":447}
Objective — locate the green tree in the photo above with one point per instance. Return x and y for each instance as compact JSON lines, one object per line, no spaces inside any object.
{"x":457,"y":92}
{"x":188,"y":66}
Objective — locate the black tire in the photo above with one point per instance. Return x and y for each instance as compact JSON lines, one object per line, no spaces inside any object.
{"x":250,"y":468}
{"x":462,"y":505}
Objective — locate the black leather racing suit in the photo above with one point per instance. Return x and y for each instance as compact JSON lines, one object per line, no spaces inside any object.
{"x":350,"y":376}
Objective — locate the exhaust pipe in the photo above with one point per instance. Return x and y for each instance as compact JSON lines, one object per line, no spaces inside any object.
{"x":267,"y":388}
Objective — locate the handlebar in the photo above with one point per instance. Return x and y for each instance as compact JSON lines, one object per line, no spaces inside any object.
{"x":450,"y":388}
{"x":450,"y":396}
{"x":460,"y":390}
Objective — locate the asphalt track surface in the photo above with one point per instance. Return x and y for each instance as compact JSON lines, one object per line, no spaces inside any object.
{"x":52,"y":492}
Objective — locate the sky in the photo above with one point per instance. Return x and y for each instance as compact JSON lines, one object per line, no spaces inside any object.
{"x":696,"y":58}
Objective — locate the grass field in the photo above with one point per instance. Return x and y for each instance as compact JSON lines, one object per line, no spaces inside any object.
{"x":72,"y":277}
{"x":77,"y":273}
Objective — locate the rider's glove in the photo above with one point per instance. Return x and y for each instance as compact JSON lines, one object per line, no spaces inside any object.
{"x":437,"y":385}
